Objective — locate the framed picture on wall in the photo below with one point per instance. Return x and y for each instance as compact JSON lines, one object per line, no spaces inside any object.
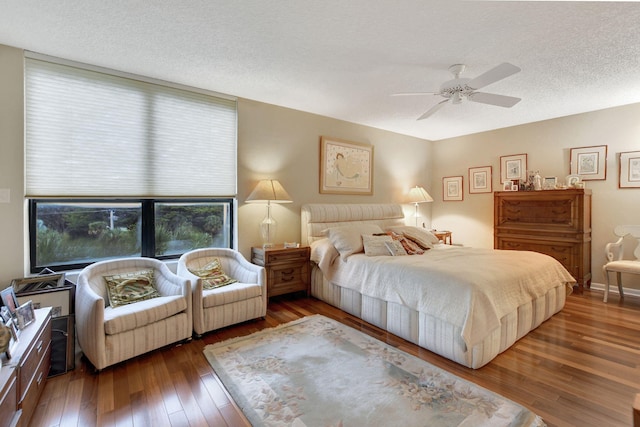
{"x":513,"y":167}
{"x":480,"y":180}
{"x":629,"y":170}
{"x":345,"y":167}
{"x":589,"y":163}
{"x":452,"y":188}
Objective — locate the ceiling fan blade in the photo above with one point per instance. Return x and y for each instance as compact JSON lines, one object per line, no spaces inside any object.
{"x":413,"y":93}
{"x":500,"y":72}
{"x":433,"y":109}
{"x":493,"y":99}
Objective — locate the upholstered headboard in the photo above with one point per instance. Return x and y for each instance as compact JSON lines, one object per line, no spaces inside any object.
{"x":317,"y":217}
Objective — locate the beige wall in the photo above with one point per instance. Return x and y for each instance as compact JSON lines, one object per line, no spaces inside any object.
{"x":12,"y":229}
{"x":547,"y":145}
{"x":280,"y":143}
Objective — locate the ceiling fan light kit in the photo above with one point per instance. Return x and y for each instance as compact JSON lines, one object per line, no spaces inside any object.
{"x":460,"y":88}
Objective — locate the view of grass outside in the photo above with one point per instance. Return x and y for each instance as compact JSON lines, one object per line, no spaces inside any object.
{"x":78,"y":232}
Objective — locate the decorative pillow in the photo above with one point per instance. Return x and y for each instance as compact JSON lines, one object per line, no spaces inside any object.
{"x":213,"y":276}
{"x":395,"y":248}
{"x":375,"y":245}
{"x":410,"y":247}
{"x":128,"y":288}
{"x":421,"y":236}
{"x":348,"y":239}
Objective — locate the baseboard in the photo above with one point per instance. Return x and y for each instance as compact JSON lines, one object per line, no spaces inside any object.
{"x":613,"y":289}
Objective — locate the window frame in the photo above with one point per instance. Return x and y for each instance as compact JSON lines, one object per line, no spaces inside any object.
{"x":147,"y":232}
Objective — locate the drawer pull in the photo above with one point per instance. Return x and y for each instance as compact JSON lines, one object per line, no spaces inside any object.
{"x":39,"y":346}
{"x":289,"y":271}
{"x":40,"y":378}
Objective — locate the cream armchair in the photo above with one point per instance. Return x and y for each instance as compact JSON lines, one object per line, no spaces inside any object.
{"x":614,"y":253}
{"x":108,"y":335}
{"x":227,"y":305}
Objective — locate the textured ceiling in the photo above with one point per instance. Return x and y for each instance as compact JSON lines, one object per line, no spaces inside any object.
{"x":344,"y":59}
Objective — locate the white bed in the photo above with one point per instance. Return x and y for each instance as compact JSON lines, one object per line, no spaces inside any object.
{"x":466,"y":304}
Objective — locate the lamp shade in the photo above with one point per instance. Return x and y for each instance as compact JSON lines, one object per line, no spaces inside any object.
{"x":269,"y":191}
{"x":419,"y":195}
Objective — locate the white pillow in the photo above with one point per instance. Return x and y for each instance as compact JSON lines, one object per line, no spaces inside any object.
{"x":375,"y":245}
{"x":348,"y":239}
{"x":421,"y":236}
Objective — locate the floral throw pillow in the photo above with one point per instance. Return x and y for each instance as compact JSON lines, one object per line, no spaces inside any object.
{"x":127,"y":288}
{"x":213,"y":276}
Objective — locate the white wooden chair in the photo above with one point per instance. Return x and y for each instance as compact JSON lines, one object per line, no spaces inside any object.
{"x":614,"y":253}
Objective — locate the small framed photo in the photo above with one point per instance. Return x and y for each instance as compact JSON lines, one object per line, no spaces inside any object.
{"x":25,"y":315}
{"x":549,"y":183}
{"x":11,"y":325}
{"x":513,"y":167}
{"x":480,"y":180}
{"x":507,"y":185}
{"x":629,"y":170}
{"x":589,"y":163}
{"x":452,"y":188}
{"x":9,"y":299}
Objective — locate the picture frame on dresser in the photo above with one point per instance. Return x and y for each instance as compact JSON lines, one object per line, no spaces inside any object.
{"x":589,"y":163}
{"x":25,"y":315}
{"x":629,"y":170}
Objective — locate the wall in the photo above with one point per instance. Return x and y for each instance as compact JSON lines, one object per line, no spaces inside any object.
{"x":547,"y":145}
{"x":12,"y":223}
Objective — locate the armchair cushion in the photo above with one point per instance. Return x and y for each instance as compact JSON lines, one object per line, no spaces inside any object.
{"x":127,"y":288}
{"x":130,"y":317}
{"x":230,"y":294}
{"x":212,"y":275}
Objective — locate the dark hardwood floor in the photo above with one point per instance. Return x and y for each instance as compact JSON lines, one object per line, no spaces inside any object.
{"x":580,"y":368}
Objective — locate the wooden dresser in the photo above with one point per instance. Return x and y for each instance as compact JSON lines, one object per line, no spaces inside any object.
{"x":23,"y":377}
{"x":552,"y":222}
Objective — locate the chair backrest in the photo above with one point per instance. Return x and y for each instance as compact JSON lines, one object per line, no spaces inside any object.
{"x":93,"y":275}
{"x":631,"y":231}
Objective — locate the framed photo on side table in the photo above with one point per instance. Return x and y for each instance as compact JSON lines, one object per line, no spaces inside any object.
{"x":513,"y":167}
{"x":452,"y":188}
{"x":629,"y":170}
{"x":480,"y":180}
{"x":589,"y":163}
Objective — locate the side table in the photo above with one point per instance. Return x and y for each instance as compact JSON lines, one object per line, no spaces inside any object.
{"x":443,"y":235}
{"x":287,"y":268}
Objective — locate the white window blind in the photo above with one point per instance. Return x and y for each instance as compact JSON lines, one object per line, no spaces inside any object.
{"x":93,"y":134}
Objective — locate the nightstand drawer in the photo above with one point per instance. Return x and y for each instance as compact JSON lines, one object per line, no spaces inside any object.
{"x":273,"y":258}
{"x":287,"y":274}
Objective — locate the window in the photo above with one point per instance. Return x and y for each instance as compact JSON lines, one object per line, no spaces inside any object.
{"x":69,"y":234}
{"x":120,"y":165}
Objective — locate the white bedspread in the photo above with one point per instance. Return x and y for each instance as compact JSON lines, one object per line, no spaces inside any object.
{"x":468,"y":287}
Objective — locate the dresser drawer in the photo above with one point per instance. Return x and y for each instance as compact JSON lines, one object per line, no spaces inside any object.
{"x":9,"y":399}
{"x":563,"y":252}
{"x":33,"y":358}
{"x":34,"y":389}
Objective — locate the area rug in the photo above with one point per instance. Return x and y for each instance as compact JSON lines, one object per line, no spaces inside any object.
{"x":318,"y":372}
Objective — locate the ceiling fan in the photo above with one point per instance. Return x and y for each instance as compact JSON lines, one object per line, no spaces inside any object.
{"x":456,"y":90}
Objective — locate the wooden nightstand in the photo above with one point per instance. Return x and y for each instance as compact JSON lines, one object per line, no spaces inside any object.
{"x":287,"y":269}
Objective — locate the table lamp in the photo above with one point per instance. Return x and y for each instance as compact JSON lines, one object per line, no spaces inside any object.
{"x":268,"y":191}
{"x":418,"y":195}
